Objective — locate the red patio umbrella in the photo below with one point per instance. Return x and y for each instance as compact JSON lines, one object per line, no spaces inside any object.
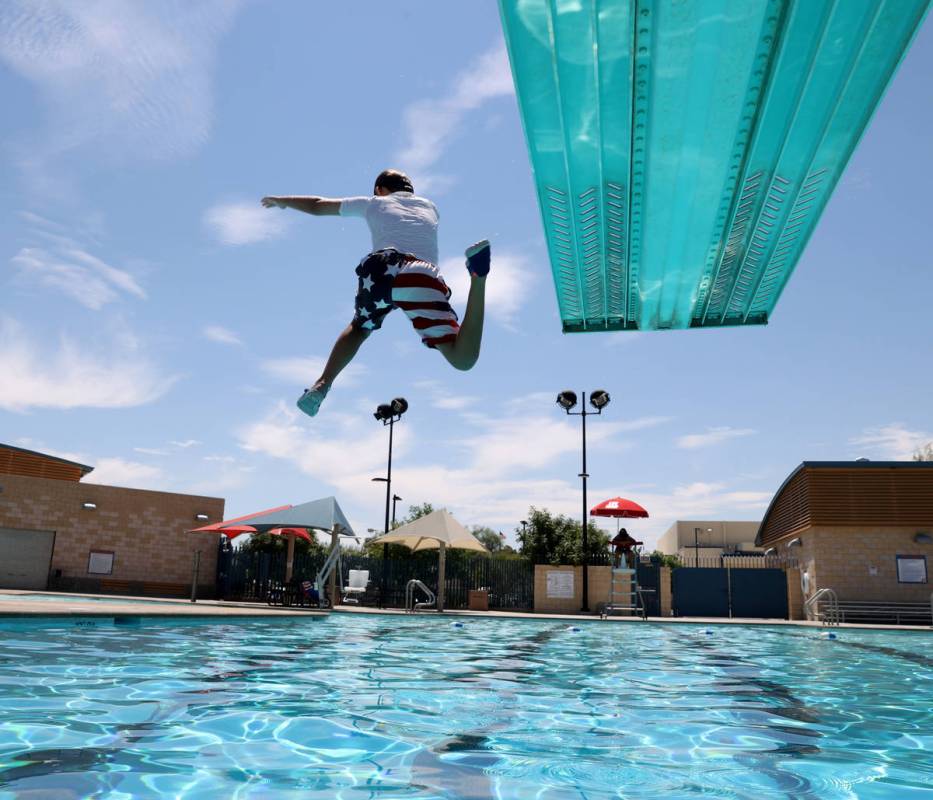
{"x":298,"y":533}
{"x":620,"y":508}
{"x":229,"y":527}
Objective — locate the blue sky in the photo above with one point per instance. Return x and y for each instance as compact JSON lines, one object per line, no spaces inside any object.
{"x":156,"y":322}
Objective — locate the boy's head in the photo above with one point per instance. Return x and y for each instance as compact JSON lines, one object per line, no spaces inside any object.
{"x":391,"y":180}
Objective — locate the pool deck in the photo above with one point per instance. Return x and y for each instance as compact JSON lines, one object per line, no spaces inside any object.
{"x":89,"y":605}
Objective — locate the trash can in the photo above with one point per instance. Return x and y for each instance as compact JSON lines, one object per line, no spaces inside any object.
{"x":479,"y":600}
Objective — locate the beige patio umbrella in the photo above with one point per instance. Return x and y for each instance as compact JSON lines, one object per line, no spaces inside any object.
{"x":435,"y":531}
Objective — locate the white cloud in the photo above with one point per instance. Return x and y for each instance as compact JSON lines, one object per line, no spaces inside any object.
{"x":130,"y":474}
{"x":151,"y":451}
{"x":221,"y":335}
{"x":186,"y":443}
{"x":131,"y":79}
{"x":73,"y":376}
{"x":431,"y":124}
{"x":507,"y":287}
{"x":244,"y":223}
{"x":304,"y":370}
{"x":712,"y":436}
{"x":492,"y":480}
{"x":68,"y":268}
{"x":893,"y":441}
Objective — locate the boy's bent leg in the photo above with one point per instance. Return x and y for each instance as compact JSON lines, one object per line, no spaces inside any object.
{"x":464,"y":352}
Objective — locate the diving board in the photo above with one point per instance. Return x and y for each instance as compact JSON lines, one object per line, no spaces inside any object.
{"x":683,"y":150}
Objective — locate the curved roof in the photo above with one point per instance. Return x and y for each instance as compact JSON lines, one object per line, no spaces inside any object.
{"x":33,"y":464}
{"x":849,"y":493}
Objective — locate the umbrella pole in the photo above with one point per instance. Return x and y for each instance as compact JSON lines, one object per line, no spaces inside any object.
{"x":334,"y":542}
{"x":289,"y":558}
{"x":441,"y":559}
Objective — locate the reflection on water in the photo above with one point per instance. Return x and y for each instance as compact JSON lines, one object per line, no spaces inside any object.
{"x":402,"y":707}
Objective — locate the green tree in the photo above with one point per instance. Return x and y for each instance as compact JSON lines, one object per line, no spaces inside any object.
{"x":399,"y":550}
{"x":665,"y":560}
{"x":415,"y":512}
{"x":266,"y":543}
{"x":556,"y":539}
{"x":489,"y":538}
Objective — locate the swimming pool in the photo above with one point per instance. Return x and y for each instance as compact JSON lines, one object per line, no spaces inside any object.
{"x":77,"y":598}
{"x":378,"y":706}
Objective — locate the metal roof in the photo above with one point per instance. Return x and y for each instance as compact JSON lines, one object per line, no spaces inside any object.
{"x":807,"y":504}
{"x":84,"y":469}
{"x":684,"y":151}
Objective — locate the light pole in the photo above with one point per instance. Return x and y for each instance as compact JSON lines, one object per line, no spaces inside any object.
{"x":388,"y":414}
{"x":696,"y":545}
{"x":395,"y":499}
{"x":599,"y":400}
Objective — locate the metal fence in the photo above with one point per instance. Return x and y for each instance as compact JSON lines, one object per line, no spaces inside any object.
{"x":736,"y":562}
{"x":509,"y":581}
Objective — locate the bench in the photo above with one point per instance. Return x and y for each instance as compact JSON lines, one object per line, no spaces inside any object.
{"x":115,"y":587}
{"x":881,"y":612}
{"x":157,"y":589}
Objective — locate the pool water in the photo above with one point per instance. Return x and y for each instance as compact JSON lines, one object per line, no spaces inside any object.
{"x":77,"y":598}
{"x":378,"y":706}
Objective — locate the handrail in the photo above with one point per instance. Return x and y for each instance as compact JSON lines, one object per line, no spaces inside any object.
{"x":333,"y":560}
{"x":812,"y":605}
{"x":410,"y":604}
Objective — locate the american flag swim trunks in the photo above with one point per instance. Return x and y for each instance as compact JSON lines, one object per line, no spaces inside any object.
{"x":390,"y":279}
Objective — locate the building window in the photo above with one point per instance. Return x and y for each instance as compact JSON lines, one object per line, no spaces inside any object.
{"x":100,"y":562}
{"x":911,"y":569}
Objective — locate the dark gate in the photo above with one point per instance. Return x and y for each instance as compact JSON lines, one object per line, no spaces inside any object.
{"x":649,"y":579}
{"x":759,"y":593}
{"x":700,"y":591}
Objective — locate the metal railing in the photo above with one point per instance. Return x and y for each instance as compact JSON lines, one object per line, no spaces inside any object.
{"x":885,"y":612}
{"x":812,"y":607}
{"x":410,"y":604}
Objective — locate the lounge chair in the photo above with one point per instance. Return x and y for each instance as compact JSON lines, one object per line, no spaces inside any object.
{"x":359,"y":579}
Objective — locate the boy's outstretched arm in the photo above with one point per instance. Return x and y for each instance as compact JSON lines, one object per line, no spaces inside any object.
{"x":319,"y":206}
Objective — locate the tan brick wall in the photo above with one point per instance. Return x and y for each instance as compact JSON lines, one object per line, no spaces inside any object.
{"x":794,"y":594}
{"x":145,"y":530}
{"x":598,"y":589}
{"x":843,"y":558}
{"x":664,"y":579}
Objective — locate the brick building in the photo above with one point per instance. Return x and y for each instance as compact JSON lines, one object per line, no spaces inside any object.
{"x":861,"y":528}
{"x":59,"y":532}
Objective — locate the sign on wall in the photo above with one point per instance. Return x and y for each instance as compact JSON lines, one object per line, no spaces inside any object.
{"x":100,"y":562}
{"x":560,"y":584}
{"x":911,"y":569}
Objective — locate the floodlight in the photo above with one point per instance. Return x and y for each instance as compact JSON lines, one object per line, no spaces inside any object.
{"x":399,"y":406}
{"x":567,"y":399}
{"x":383,"y":411}
{"x":599,"y":399}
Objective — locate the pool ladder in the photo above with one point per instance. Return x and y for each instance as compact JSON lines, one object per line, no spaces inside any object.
{"x":410,"y":604}
{"x":624,"y":593}
{"x":830,"y":616}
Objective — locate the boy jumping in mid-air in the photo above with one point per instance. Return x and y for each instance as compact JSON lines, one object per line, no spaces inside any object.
{"x":400,"y":272}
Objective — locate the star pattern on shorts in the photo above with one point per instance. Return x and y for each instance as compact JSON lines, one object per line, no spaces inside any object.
{"x":374,"y":299}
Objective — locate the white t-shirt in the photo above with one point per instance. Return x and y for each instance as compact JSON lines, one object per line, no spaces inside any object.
{"x":400,"y":220}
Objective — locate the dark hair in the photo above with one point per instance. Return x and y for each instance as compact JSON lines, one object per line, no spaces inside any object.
{"x":394,"y":181}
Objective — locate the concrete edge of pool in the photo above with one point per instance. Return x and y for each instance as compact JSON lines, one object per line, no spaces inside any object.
{"x":89,"y":605}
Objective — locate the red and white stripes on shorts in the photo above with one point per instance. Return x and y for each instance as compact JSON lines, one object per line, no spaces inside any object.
{"x":420,"y":291}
